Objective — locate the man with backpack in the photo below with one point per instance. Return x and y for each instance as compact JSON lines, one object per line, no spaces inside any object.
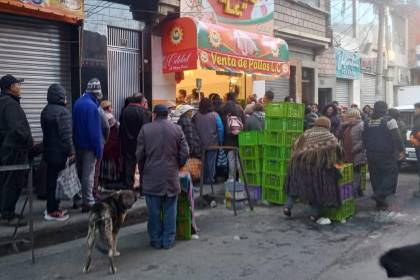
{"x":384,"y":147}
{"x":233,"y":118}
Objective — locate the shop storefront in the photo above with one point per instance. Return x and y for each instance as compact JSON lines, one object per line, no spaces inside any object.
{"x":348,"y":74}
{"x":39,"y":43}
{"x":216,"y":59}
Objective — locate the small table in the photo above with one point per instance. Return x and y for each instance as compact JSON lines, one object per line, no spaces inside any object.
{"x":237,"y":158}
{"x":14,"y":238}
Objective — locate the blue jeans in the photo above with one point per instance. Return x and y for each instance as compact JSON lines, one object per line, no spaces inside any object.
{"x":162,"y":220}
{"x":86,"y":162}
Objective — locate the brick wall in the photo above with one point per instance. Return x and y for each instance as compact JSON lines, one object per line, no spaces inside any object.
{"x":293,"y":15}
{"x":326,"y":63}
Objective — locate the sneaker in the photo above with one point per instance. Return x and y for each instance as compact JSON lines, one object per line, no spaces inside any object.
{"x":65,"y":212}
{"x":323,"y":221}
{"x":57,"y":216}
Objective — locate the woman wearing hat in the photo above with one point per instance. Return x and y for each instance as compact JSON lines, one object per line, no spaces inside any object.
{"x":185,"y":113}
{"x":354,"y":151}
{"x":312,"y":175}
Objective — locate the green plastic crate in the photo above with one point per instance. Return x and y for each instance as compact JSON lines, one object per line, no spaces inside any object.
{"x":274,"y":138}
{"x":295,"y":110}
{"x":183,"y":229}
{"x":276,"y":124}
{"x":250,"y":152}
{"x":274,"y":152}
{"x":261,"y":140}
{"x":272,"y":166}
{"x":274,"y":195}
{"x":183,"y":210}
{"x":253,"y":178}
{"x":290,"y":138}
{"x":273,"y":180}
{"x":252,"y":165}
{"x":347,"y":210}
{"x":347,"y":174}
{"x":294,"y":125}
{"x":249,"y":138}
{"x":277,"y":110}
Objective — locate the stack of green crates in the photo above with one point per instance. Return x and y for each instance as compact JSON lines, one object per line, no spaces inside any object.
{"x":348,"y":206}
{"x":283,"y":125}
{"x":184,"y":218}
{"x":251,"y":151}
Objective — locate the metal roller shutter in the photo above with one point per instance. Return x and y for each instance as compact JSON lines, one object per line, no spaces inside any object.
{"x":342,"y":91}
{"x":280,"y":87}
{"x":367,"y":90}
{"x":39,"y":52}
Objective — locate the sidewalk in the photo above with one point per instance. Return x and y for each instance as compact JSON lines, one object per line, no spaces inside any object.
{"x":49,"y":233}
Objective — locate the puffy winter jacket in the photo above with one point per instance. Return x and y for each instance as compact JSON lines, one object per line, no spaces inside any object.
{"x":15,"y":133}
{"x":87,"y":125}
{"x":57,"y":127}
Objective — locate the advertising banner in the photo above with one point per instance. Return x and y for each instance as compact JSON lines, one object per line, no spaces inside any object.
{"x":61,"y":10}
{"x":235,"y":50}
{"x":220,"y":48}
{"x":249,"y":15}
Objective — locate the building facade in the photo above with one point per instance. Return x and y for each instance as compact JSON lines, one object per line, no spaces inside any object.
{"x":305,"y":25}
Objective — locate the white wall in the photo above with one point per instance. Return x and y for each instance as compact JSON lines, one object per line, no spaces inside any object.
{"x":259,"y":88}
{"x":163,"y":85}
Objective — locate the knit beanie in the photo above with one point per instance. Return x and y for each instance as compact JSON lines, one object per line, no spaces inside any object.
{"x":323,"y":122}
{"x":354,"y":113}
{"x":94,"y":87}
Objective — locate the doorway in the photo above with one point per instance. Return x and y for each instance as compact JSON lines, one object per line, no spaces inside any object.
{"x":324,"y":97}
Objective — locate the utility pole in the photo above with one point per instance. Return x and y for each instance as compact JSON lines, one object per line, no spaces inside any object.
{"x":380,"y":58}
{"x":354,"y":19}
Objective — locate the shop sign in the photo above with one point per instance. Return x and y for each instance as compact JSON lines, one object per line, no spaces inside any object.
{"x":231,"y":63}
{"x":347,"y":64}
{"x":61,"y":10}
{"x":368,"y":65}
{"x":180,"y":61}
{"x":250,"y":15}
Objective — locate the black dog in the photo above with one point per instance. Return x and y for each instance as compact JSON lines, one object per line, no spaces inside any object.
{"x":105,"y":221}
{"x":401,"y":262}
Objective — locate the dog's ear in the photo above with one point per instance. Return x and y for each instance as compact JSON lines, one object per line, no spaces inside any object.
{"x":127,"y":199}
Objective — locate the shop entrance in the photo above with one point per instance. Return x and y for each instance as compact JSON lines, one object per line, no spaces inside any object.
{"x":324,"y":97}
{"x":124,"y":66}
{"x":307,"y":85}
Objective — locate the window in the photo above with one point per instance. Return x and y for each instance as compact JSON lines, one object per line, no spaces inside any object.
{"x":313,"y":3}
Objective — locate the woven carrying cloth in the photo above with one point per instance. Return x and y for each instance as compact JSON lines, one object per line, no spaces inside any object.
{"x":312,"y":174}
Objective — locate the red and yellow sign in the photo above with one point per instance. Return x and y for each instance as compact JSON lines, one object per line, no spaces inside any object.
{"x":220,"y":48}
{"x":70,"y":11}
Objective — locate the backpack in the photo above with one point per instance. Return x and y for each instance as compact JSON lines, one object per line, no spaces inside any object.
{"x":234,"y":125}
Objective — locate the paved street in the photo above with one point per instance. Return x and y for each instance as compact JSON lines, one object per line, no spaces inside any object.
{"x":254,"y":245}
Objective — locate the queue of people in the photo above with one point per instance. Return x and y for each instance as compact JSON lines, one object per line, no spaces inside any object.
{"x":158,"y":145}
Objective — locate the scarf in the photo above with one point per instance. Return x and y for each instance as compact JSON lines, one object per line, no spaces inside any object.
{"x":317,"y":147}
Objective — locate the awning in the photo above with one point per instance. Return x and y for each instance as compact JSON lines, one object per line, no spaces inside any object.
{"x":187,"y":42}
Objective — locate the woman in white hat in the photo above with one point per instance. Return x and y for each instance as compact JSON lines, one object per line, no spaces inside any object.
{"x":185,"y":113}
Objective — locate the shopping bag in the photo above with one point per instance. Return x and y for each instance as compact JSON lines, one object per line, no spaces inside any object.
{"x":68,"y":183}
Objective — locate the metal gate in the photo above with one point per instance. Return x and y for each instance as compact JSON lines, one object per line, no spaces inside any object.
{"x":280,"y":87}
{"x":342,"y":91}
{"x":39,"y":52}
{"x":124,"y":68}
{"x":367,"y":89}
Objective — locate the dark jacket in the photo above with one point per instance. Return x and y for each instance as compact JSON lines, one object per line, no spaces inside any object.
{"x":255,"y":121}
{"x":87,"y":125}
{"x":191,"y":135}
{"x":416,"y":126}
{"x":15,"y":133}
{"x":133,"y":117}
{"x":233,"y":109}
{"x":161,"y":151}
{"x":57,"y":128}
{"x":206,"y":125}
{"x":335,"y":120}
{"x":309,"y":120}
